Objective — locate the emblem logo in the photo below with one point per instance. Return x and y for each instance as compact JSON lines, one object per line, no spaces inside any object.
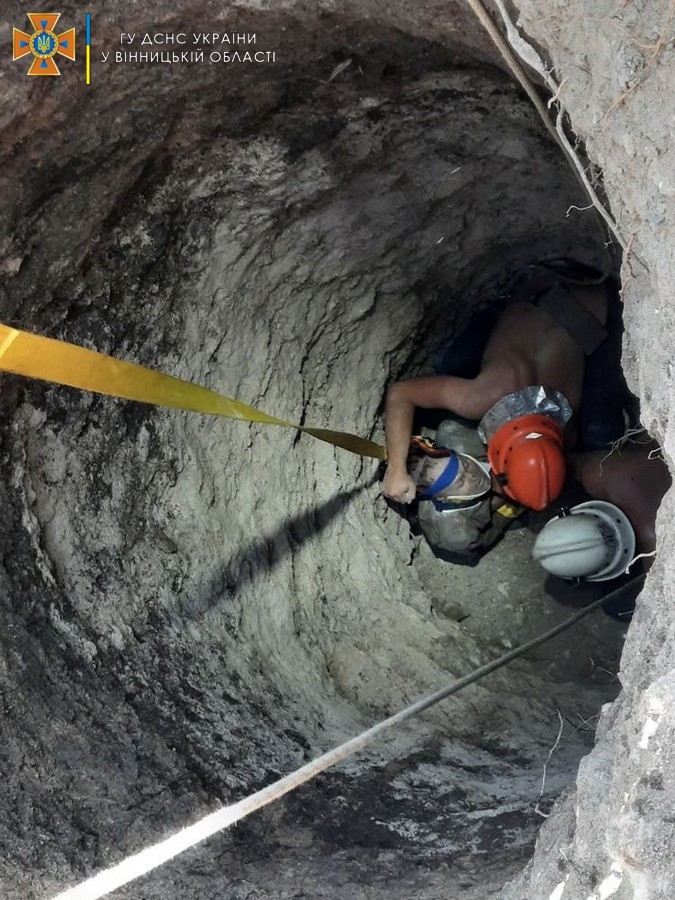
{"x":44,"y":44}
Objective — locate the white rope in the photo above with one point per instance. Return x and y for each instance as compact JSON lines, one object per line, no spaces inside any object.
{"x":140,"y":864}
{"x":529,"y":55}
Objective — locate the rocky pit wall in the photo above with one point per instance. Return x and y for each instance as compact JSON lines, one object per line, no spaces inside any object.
{"x":193,"y":607}
{"x":615,"y":836}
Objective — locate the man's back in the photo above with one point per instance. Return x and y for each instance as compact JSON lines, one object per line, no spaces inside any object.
{"x":527,"y":346}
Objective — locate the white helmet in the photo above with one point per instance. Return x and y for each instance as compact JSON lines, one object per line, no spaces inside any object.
{"x":594,"y":541}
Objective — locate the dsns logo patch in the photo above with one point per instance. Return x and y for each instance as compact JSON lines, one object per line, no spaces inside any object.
{"x":44,"y":44}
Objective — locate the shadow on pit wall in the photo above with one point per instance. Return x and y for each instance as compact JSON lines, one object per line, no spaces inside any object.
{"x":264,"y":554}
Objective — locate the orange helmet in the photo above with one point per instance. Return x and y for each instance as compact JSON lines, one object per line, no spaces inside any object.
{"x":528,"y":459}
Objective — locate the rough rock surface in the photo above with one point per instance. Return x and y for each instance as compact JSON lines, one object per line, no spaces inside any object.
{"x":192,"y":607}
{"x":615,"y":837}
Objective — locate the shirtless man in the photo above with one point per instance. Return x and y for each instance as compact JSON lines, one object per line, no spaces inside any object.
{"x":541,"y":340}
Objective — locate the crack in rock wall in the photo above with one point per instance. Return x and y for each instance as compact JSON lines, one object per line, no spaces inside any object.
{"x":194,"y":607}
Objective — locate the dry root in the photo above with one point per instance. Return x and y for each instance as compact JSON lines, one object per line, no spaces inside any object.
{"x":655,"y":49}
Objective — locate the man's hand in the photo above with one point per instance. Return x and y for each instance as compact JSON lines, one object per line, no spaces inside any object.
{"x":399,"y":487}
{"x":435,"y":392}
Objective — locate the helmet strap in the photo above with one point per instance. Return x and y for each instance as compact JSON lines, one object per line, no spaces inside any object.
{"x":445,"y":479}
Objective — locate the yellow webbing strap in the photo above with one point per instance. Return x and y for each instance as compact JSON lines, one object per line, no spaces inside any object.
{"x":509,"y":510}
{"x":50,"y":360}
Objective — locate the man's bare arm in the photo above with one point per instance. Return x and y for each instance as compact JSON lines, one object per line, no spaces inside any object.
{"x":436,"y":392}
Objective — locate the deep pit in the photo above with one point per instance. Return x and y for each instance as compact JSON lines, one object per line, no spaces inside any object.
{"x":193,"y":607}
